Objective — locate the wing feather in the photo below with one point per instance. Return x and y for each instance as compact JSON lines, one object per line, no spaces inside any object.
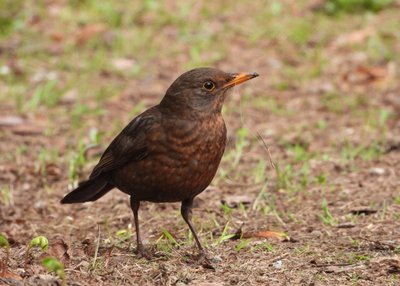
{"x":130,"y":145}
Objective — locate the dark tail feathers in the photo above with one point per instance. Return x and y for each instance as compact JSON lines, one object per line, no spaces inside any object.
{"x":89,"y":190}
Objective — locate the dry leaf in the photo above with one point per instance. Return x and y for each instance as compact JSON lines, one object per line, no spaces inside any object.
{"x":267,"y":234}
{"x":59,"y":249}
{"x":122,"y":63}
{"x":7,"y":274}
{"x":57,"y":37}
{"x":234,"y":201}
{"x":88,"y":32}
{"x":260,"y":234}
{"x":11,"y":120}
{"x":27,"y":130}
{"x":354,"y":37}
{"x":372,"y":74}
{"x":390,"y":264}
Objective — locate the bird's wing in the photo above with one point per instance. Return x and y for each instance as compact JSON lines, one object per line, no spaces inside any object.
{"x":130,"y":145}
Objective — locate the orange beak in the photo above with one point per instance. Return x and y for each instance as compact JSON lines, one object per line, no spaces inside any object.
{"x":240,"y":78}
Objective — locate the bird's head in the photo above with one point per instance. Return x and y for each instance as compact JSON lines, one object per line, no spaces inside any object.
{"x":201,"y":90}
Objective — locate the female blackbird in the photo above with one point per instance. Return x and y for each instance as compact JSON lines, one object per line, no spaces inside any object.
{"x":170,"y":152}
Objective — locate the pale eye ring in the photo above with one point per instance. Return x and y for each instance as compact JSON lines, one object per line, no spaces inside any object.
{"x":209,"y":85}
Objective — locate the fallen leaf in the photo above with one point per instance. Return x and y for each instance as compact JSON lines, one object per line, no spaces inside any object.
{"x":122,"y":63}
{"x":27,"y":129}
{"x":354,"y":37}
{"x":373,"y":73}
{"x":260,"y":234}
{"x":57,"y":37}
{"x":234,"y":201}
{"x":377,"y":171}
{"x":88,"y":32}
{"x":59,"y":249}
{"x":393,"y":147}
{"x":7,"y":274}
{"x":266,"y":234}
{"x":11,"y":120}
{"x":346,"y":225}
{"x":390,"y":264}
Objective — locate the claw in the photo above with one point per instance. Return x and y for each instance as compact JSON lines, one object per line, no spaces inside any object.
{"x":143,"y":253}
{"x":204,"y":261}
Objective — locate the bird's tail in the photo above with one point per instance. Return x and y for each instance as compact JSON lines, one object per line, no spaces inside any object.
{"x":89,"y":190}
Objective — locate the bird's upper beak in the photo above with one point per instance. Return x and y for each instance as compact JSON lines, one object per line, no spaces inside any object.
{"x":239,"y":78}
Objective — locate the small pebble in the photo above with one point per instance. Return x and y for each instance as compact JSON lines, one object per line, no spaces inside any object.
{"x":377,"y":171}
{"x":278,"y":264}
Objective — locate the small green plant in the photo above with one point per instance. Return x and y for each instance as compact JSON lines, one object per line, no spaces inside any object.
{"x":321,"y":179}
{"x":351,"y":152}
{"x":259,"y":171}
{"x":354,"y":242}
{"x":6,"y":197}
{"x":170,"y":238}
{"x":322,"y":124}
{"x":355,"y":257}
{"x":227,"y":209}
{"x":123,"y":234}
{"x":9,"y":9}
{"x":77,"y":161}
{"x":241,"y":143}
{"x":53,"y":265}
{"x":268,"y":247}
{"x":37,"y":242}
{"x":326,"y":216}
{"x":300,"y":31}
{"x":167,"y":246}
{"x":46,"y":94}
{"x":6,"y":245}
{"x":242,"y":244}
{"x":284,"y":176}
{"x":263,"y":246}
{"x":45,"y":157}
{"x":304,"y":249}
{"x":300,"y":153}
{"x":291,"y":180}
{"x":225,"y":235}
{"x":384,"y":116}
{"x":355,"y":6}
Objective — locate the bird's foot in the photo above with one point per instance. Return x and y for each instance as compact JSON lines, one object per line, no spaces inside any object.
{"x":143,"y":252}
{"x":204,"y":261}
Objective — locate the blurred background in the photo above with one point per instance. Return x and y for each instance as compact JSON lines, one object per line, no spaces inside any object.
{"x":327,"y":104}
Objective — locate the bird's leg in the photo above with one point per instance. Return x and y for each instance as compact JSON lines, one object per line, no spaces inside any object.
{"x":135,"y":204}
{"x":186,"y":211}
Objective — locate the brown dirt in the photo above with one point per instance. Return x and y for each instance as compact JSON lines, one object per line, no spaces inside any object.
{"x":360,"y":245}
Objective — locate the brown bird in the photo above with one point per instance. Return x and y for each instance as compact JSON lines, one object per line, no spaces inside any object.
{"x":170,"y":152}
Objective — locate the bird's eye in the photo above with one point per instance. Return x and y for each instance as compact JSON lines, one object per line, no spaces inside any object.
{"x":209,"y":85}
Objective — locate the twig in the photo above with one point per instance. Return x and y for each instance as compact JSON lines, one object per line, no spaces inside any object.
{"x":268,"y":151}
{"x":97,"y":248}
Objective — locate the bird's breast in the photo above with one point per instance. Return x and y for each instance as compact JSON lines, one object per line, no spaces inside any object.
{"x":189,"y":154}
{"x":183,"y":157}
{"x":196,"y":145}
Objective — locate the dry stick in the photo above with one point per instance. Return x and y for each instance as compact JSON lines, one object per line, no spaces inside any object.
{"x":272,"y":166}
{"x":268,"y":152}
{"x":97,"y":248}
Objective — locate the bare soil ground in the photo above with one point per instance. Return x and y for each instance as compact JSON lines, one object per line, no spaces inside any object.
{"x":326,"y":104}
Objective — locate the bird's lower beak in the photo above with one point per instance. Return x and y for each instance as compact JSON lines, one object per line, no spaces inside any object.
{"x":239,"y":78}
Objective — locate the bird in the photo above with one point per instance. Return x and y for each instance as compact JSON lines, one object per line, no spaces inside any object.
{"x":170,"y":152}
